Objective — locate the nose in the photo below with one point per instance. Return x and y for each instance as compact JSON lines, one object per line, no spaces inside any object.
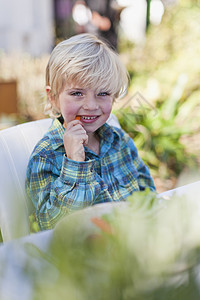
{"x":90,"y":102}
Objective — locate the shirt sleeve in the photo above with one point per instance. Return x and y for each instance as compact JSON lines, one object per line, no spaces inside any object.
{"x":144,"y":178}
{"x":56,"y":193}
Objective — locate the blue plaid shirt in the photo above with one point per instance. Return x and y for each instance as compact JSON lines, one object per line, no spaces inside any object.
{"x":58,"y":185}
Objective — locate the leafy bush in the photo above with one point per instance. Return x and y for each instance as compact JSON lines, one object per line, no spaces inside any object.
{"x":157,"y":131}
{"x":137,"y":251}
{"x":166,"y":71}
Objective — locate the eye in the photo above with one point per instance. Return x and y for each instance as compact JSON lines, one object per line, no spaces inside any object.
{"x":76,"y":93}
{"x":103,"y":94}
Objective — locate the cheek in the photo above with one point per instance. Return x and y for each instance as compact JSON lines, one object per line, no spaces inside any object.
{"x":107,"y":108}
{"x":68,"y":110}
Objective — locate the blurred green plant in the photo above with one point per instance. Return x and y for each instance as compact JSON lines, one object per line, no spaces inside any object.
{"x":170,"y":49}
{"x":146,"y":249}
{"x":157,"y":131}
{"x":34,"y":227}
{"x":168,"y":58}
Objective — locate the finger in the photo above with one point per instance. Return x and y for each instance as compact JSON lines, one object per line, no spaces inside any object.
{"x":76,"y":134}
{"x":85,"y":140}
{"x":65,"y":123}
{"x":73,"y":123}
{"x":75,"y":130}
{"x":83,"y":137}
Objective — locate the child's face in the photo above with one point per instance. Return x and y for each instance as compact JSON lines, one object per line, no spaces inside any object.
{"x":92,"y":107}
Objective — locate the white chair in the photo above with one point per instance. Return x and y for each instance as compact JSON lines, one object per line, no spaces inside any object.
{"x":16,"y":145}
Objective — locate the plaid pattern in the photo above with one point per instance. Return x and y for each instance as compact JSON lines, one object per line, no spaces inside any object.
{"x":58,"y":185}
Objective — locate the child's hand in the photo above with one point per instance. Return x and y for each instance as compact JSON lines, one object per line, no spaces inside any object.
{"x":75,"y":137}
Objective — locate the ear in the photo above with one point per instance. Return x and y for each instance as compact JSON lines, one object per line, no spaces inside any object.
{"x":49,"y":94}
{"x":48,"y":91}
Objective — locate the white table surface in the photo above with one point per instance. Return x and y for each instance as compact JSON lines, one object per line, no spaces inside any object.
{"x":14,"y":255}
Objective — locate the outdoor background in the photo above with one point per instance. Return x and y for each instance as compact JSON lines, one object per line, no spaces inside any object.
{"x":159,"y":42}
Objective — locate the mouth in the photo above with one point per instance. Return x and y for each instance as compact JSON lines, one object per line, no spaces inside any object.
{"x":88,"y":119}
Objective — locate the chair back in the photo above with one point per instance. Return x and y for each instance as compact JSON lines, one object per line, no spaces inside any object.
{"x":16,"y":145}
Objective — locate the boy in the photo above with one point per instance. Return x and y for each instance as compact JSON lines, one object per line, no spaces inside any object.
{"x":81,"y":160}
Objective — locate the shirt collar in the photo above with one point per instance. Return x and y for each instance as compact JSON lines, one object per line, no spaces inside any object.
{"x":109,"y":135}
{"x":55,"y":134}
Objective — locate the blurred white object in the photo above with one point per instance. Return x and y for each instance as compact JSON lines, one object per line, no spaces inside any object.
{"x":188,"y":190}
{"x":113,"y":121}
{"x":133,"y":20}
{"x":81,"y":13}
{"x":16,"y":145}
{"x":27,"y":26}
{"x":156,"y":12}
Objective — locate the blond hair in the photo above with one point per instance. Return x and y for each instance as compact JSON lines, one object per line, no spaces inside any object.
{"x":87,"y":61}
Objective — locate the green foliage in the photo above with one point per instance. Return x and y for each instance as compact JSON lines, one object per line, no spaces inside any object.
{"x":157,"y":132}
{"x":146,"y":254}
{"x":171,"y":49}
{"x":166,"y":70}
{"x":34,"y":227}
